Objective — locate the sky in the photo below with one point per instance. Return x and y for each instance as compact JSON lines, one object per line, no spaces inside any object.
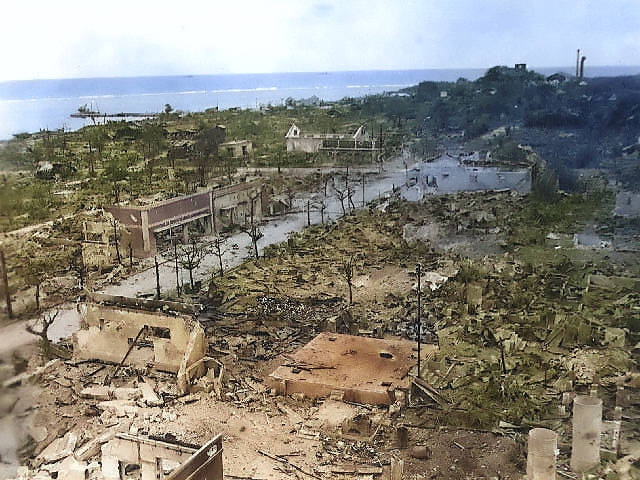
{"x":84,"y":38}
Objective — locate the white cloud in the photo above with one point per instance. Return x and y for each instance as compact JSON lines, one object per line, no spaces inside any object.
{"x":73,"y":38}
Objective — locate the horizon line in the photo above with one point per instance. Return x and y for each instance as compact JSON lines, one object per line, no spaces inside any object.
{"x":532,"y":68}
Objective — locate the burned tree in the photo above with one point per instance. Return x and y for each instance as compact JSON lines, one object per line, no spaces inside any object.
{"x":253,"y":229}
{"x":322,"y":205}
{"x":256,"y":234}
{"x":219,"y":252}
{"x":190,"y":256}
{"x":35,"y":272}
{"x":40,"y":328}
{"x":206,"y":150}
{"x":341,"y":195}
{"x":347,"y":269}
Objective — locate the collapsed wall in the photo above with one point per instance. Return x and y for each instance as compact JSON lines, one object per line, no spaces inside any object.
{"x":154,"y":457}
{"x":171,"y":343}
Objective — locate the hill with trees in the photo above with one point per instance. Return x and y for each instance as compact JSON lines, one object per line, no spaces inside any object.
{"x":571,"y":123}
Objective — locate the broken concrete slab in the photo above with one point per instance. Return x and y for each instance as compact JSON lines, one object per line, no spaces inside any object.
{"x":367,"y":370}
{"x":119,"y":408}
{"x":72,"y":469}
{"x":92,"y":447}
{"x":149,"y":396}
{"x":127,"y":393}
{"x":97,"y":392}
{"x":60,"y":448}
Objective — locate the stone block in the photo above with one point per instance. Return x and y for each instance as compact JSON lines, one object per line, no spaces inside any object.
{"x":71,"y":469}
{"x":149,"y":396}
{"x":110,"y":468}
{"x":60,"y":448}
{"x":97,"y":392}
{"x":122,"y":393}
{"x":119,"y":408}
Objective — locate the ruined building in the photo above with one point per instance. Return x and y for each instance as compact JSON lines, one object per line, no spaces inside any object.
{"x":296,"y":141}
{"x":236,"y":204}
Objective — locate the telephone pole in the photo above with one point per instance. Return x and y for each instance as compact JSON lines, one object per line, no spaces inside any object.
{"x":419,"y":273}
{"x":5,"y":282}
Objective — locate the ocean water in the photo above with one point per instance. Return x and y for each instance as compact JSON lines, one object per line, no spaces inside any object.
{"x":31,"y":105}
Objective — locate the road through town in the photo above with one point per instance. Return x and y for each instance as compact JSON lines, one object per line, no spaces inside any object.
{"x":236,"y":248}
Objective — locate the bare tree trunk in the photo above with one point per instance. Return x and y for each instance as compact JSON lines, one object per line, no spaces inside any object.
{"x":191,"y":278}
{"x":175,"y":253}
{"x":219,"y":255}
{"x":254,"y":237}
{"x":347,"y":271}
{"x":38,"y":296}
{"x":48,"y":349}
{"x":5,"y":283}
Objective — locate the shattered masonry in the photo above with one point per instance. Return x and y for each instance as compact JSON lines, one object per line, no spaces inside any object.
{"x":172,"y":343}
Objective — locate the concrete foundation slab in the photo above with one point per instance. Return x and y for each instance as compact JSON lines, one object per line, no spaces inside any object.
{"x":367,"y":370}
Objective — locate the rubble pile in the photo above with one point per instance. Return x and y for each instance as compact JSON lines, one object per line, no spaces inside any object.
{"x":518,"y":326}
{"x":518,"y":331}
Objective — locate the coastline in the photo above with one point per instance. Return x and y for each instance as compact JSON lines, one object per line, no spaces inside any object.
{"x":34,"y":105}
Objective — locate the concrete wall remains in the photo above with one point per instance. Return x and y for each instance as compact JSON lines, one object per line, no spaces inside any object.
{"x":156,"y":457}
{"x":362,"y":369}
{"x":205,"y":464}
{"x":296,"y":141}
{"x":219,"y":207}
{"x":167,"y":342}
{"x":236,"y":148}
{"x":98,"y":245}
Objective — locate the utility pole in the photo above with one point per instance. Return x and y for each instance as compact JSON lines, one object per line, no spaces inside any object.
{"x":5,"y":282}
{"x":419,"y":272}
{"x":363,"y":200}
{"x":175,"y":256}
{"x":115,"y":236}
{"x":308,"y":213}
{"x":155,"y":259}
{"x":175,"y":253}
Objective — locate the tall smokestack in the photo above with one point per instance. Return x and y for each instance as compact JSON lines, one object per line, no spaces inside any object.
{"x":582,"y":66}
{"x":578,"y":64}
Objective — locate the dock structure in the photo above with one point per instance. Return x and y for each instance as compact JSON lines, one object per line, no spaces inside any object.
{"x":93,"y":114}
